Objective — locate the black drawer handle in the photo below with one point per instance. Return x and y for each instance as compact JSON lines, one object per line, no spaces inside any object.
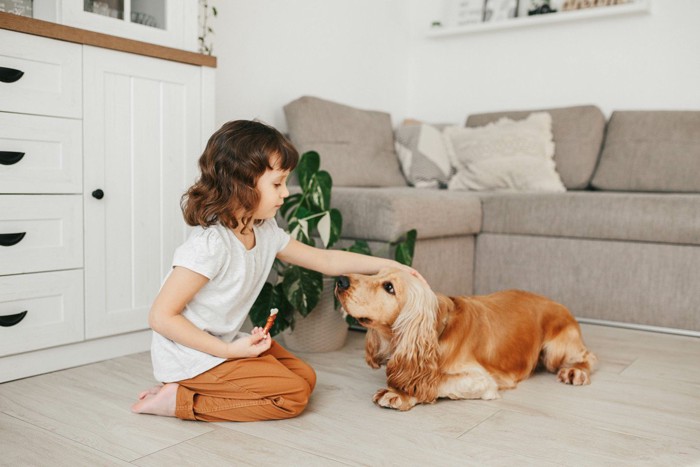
{"x":10,"y":75}
{"x":10,"y":320}
{"x":10,"y":157}
{"x":98,"y":194}
{"x":11,"y":239}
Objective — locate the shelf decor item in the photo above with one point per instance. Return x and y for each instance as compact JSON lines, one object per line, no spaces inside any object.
{"x":206,"y":44}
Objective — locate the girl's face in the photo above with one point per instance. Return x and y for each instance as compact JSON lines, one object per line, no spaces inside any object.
{"x":272,"y":186}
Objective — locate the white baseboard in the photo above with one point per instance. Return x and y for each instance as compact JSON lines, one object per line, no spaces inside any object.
{"x":66,"y":356}
{"x":639,"y":327}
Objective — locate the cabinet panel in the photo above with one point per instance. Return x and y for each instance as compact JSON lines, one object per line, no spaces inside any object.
{"x":141,"y":137}
{"x":49,"y":152}
{"x":53,"y":303}
{"x":51,"y":80}
{"x":40,"y":233}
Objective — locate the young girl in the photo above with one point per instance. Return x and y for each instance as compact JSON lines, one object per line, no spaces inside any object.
{"x":210,"y":370}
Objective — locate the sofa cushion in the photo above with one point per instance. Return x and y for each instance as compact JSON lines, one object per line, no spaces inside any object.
{"x":578,"y":135}
{"x":646,"y":217}
{"x":386,"y":213}
{"x":423,"y":155}
{"x":356,"y":146}
{"x":651,"y":151}
{"x":505,"y":155}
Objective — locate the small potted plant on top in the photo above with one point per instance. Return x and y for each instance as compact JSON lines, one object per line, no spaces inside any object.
{"x":296,"y":291}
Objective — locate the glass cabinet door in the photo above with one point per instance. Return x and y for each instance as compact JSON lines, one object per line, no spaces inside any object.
{"x":172,"y":23}
{"x":149,"y":13}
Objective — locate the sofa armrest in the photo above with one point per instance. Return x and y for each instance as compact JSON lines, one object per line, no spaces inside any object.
{"x":383,"y":214}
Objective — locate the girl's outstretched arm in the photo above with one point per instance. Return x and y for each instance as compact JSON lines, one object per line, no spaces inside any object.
{"x":166,"y":319}
{"x":337,"y":262}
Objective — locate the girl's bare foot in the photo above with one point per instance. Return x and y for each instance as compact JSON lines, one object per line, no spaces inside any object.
{"x":154,"y":390}
{"x":162,"y":402}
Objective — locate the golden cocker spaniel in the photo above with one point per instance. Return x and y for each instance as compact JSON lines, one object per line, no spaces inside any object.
{"x":436,"y":346}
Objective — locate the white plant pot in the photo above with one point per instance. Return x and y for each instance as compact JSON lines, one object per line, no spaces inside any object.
{"x":322,"y":330}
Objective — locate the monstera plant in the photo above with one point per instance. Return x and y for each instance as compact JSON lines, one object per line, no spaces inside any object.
{"x":309,"y":218}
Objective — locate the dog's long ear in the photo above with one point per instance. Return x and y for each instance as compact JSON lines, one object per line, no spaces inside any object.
{"x":413,"y":367}
{"x":377,"y":349}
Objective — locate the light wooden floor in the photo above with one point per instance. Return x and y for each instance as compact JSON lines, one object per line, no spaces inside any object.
{"x":643,"y":408}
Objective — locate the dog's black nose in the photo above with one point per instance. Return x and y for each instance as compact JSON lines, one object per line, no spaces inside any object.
{"x":343,"y":282}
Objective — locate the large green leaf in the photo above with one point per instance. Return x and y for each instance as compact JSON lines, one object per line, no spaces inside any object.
{"x":261,"y":308}
{"x":290,"y":204}
{"x":361,"y":247}
{"x":320,"y":191}
{"x":336,"y":227}
{"x":405,"y":248}
{"x":302,"y":288}
{"x":272,"y":297}
{"x":308,"y":165}
{"x":324,"y":228}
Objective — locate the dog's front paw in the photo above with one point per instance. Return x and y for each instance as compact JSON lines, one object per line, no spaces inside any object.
{"x":573,"y":376}
{"x":391,"y":399}
{"x":373,"y":363}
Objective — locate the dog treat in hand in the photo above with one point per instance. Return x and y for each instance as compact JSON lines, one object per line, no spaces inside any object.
{"x":270,"y":320}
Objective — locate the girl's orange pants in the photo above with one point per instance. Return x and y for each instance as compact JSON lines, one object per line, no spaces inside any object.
{"x":272,"y":386}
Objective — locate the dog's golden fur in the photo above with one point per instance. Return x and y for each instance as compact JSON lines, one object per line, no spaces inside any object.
{"x":436,"y":346}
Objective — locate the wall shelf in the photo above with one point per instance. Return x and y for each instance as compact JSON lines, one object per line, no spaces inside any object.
{"x":640,"y":7}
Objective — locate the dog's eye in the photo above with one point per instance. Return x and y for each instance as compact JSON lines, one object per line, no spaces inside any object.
{"x":389,"y":287}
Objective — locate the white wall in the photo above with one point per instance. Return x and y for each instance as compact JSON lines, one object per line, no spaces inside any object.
{"x":273,"y":51}
{"x":374,"y":54}
{"x":647,"y":61}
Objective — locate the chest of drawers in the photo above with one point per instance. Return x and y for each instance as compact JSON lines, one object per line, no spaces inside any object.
{"x":96,"y":147}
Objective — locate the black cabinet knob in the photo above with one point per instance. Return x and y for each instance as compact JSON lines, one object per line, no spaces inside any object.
{"x":10,"y":75}
{"x":98,"y":194}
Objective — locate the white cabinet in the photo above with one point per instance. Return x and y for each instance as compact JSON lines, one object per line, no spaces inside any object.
{"x":142,"y":135}
{"x":41,"y":229}
{"x":96,"y":149}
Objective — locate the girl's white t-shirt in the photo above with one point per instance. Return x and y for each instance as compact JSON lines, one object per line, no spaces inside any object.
{"x":236,"y":276}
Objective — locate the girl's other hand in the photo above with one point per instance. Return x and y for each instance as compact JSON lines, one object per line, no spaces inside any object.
{"x":249,"y":346}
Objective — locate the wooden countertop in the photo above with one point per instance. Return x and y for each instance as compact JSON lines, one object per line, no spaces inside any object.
{"x":81,"y":36}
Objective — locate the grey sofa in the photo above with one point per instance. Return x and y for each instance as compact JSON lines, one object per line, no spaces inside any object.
{"x":622,"y":245}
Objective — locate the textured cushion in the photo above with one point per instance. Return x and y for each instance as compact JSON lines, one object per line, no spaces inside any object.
{"x":386,"y":213}
{"x":645,"y":217}
{"x":423,"y":156}
{"x":651,"y":151}
{"x":578,"y":135}
{"x":505,"y":155}
{"x":356,"y":146}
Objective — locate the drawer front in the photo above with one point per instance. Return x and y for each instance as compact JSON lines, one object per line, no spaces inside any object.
{"x":40,"y":154}
{"x":40,"y":310}
{"x":51,"y":81}
{"x":40,"y":233}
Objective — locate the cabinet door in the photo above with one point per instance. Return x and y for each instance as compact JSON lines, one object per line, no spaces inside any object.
{"x":141,"y":142}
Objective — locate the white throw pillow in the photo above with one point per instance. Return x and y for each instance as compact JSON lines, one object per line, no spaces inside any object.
{"x":505,"y":155}
{"x":422,"y":155}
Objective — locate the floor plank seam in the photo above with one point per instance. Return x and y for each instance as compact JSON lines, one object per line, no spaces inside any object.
{"x":169,"y":447}
{"x":482,"y":421}
{"x":622,"y":373}
{"x":286,"y":445}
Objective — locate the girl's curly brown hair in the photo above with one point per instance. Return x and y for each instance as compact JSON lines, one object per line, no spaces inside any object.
{"x":234,"y":159}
